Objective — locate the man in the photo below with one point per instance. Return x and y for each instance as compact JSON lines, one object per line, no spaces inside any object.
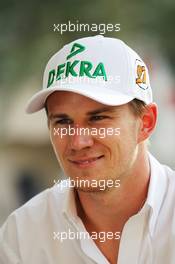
{"x":117,"y":204}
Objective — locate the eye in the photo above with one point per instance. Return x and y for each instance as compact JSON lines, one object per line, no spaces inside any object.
{"x":63,"y":121}
{"x":98,"y":118}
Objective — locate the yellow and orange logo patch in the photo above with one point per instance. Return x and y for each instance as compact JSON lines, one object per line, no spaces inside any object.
{"x":141,"y":75}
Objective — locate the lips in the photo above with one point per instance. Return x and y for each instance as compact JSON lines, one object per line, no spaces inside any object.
{"x":85,"y":161}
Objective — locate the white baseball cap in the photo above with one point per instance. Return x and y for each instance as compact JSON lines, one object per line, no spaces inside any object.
{"x":101,"y":68}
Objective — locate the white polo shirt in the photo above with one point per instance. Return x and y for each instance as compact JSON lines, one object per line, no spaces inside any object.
{"x":31,"y":234}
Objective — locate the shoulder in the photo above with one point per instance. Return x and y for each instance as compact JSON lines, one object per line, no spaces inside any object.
{"x":38,"y":211}
{"x":43,"y":204}
{"x":34,"y":221}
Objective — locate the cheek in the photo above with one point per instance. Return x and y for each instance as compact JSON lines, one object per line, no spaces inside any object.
{"x":128,"y":143}
{"x":129,"y":130}
{"x":59,"y":144}
{"x":121,"y":145}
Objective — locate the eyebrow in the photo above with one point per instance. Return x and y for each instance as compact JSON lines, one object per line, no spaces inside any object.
{"x":61,"y":115}
{"x":89,"y":113}
{"x":101,"y":110}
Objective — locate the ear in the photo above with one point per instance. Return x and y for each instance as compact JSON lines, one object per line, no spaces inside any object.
{"x":148,"y":122}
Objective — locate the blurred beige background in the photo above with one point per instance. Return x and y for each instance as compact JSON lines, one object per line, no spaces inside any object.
{"x":27,"y":40}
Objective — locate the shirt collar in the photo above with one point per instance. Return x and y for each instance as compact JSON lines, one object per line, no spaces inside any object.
{"x":156,"y":192}
{"x":69,"y":209}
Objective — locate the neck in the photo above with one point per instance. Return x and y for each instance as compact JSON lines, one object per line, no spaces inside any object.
{"x":109,"y":210}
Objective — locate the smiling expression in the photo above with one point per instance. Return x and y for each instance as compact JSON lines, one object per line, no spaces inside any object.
{"x":90,"y":156}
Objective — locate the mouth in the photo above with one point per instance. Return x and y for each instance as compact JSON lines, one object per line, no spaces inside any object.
{"x":86,"y":161}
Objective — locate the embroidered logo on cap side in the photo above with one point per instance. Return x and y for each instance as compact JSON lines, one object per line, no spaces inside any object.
{"x":141,"y":75}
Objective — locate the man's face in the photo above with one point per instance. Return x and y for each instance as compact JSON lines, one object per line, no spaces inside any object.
{"x":93,"y":156}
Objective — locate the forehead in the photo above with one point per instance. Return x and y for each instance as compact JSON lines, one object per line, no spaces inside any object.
{"x":70,"y":101}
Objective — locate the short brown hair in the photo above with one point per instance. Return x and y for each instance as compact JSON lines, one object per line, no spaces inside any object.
{"x":138,"y":106}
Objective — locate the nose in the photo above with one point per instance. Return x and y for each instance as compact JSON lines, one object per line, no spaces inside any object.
{"x":81,"y":139}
